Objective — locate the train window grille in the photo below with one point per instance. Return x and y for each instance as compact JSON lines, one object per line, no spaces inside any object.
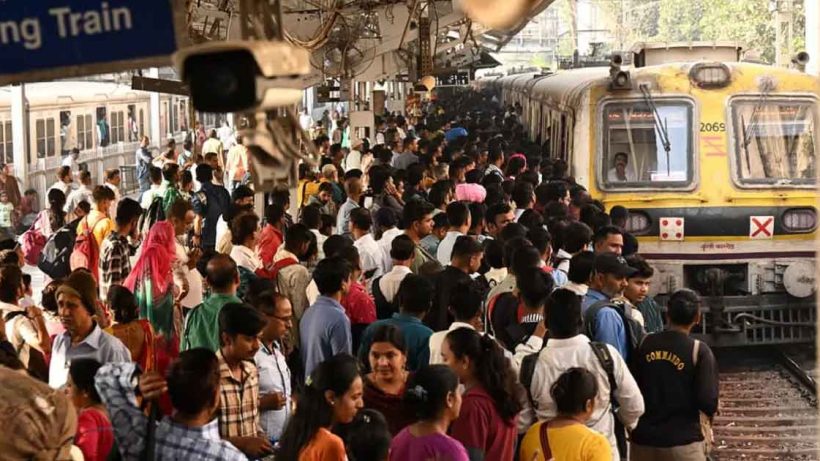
{"x":774,"y":141}
{"x":44,"y":131}
{"x":85,"y":138}
{"x":6,"y":146}
{"x":117,"y":127}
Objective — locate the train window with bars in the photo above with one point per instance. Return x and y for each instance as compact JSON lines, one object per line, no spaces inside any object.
{"x":174,"y":117}
{"x":633,"y":152}
{"x":117,"y":127}
{"x":6,"y":146}
{"x":774,"y":141}
{"x":85,"y":138}
{"x":44,"y":133}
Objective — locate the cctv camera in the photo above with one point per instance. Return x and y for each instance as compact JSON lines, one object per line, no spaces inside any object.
{"x":239,"y":76}
{"x":276,"y":146}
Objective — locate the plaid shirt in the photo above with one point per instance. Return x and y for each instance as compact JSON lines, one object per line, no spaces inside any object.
{"x":115,"y":385}
{"x":115,"y":262}
{"x":238,"y":400}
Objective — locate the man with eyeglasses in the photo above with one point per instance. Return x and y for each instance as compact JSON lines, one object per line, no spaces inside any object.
{"x":275,"y":389}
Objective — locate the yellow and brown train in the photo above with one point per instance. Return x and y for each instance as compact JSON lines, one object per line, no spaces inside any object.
{"x":716,"y":160}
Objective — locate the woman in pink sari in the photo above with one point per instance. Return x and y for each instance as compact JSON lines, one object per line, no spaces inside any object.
{"x":152,"y":282}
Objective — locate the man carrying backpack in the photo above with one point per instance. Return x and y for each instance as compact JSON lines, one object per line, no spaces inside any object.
{"x":607,"y":321}
{"x":91,"y":231}
{"x":567,"y":348}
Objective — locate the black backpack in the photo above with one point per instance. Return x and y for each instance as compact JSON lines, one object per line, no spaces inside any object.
{"x":55,"y":259}
{"x":384,"y":308}
{"x":635,"y":333}
{"x":154,"y":214}
{"x":601,"y":353}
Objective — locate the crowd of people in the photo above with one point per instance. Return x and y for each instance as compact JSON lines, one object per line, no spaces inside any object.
{"x":447,"y":292}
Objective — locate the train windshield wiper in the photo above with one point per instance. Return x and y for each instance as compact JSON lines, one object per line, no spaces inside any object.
{"x":661,"y":128}
{"x":751,"y":127}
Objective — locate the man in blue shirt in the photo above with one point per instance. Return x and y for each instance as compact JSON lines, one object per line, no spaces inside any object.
{"x":143,"y":162}
{"x":609,"y":280}
{"x":209,"y":203}
{"x":324,"y":330}
{"x":415,"y":297}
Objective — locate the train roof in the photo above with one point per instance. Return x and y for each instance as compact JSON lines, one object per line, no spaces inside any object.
{"x":72,"y":92}
{"x":563,"y":87}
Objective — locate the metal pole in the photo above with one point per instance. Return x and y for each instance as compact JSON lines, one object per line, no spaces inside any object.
{"x":812,"y":10}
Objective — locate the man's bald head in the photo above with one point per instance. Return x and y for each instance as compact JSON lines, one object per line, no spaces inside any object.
{"x":222,"y":273}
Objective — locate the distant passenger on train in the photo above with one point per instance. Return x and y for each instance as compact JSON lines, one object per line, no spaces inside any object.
{"x":679,"y":381}
{"x":144,"y":159}
{"x":620,"y":172}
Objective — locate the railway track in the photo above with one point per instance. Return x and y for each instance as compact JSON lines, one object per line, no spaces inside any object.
{"x":768,"y":406}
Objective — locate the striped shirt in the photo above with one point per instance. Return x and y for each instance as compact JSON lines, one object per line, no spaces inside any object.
{"x":238,"y":400}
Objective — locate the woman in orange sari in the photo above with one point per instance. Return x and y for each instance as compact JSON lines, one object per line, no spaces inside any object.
{"x":136,"y":333}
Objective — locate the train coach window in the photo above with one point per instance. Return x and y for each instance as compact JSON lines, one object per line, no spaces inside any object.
{"x":6,"y":147}
{"x":44,"y":131}
{"x":117,"y":127}
{"x":634,"y":153}
{"x":774,"y":142}
{"x":85,"y":138}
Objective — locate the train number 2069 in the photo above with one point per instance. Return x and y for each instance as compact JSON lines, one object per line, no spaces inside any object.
{"x":714,"y":127}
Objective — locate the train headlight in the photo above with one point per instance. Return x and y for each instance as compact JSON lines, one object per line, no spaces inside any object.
{"x":638,"y":223}
{"x":800,"y":220}
{"x":710,"y":75}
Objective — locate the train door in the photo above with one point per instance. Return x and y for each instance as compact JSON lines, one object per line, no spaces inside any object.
{"x":103,"y":127}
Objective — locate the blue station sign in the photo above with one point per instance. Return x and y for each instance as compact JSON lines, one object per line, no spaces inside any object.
{"x":46,"y":39}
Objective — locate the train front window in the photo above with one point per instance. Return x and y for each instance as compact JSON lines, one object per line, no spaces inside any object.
{"x":774,"y":141}
{"x":634,"y":151}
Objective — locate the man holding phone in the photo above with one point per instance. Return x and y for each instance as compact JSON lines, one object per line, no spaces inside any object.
{"x":275,"y":389}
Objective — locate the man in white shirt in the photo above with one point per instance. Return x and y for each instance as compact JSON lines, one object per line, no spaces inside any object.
{"x":620,"y":172}
{"x":369,"y":251}
{"x":81,"y":194}
{"x":305,"y":120}
{"x":385,"y":288}
{"x":353,"y":159}
{"x":226,"y":136}
{"x":275,"y":391}
{"x":186,"y":277}
{"x":70,"y":161}
{"x":568,"y":348}
{"x":458,"y":218}
{"x":244,"y":235}
{"x":64,"y":180}
{"x":112,"y":181}
{"x":387,"y":221}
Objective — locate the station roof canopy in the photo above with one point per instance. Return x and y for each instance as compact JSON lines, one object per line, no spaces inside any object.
{"x":379,"y":38}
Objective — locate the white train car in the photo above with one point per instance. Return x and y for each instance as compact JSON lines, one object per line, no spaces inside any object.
{"x":103,"y":120}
